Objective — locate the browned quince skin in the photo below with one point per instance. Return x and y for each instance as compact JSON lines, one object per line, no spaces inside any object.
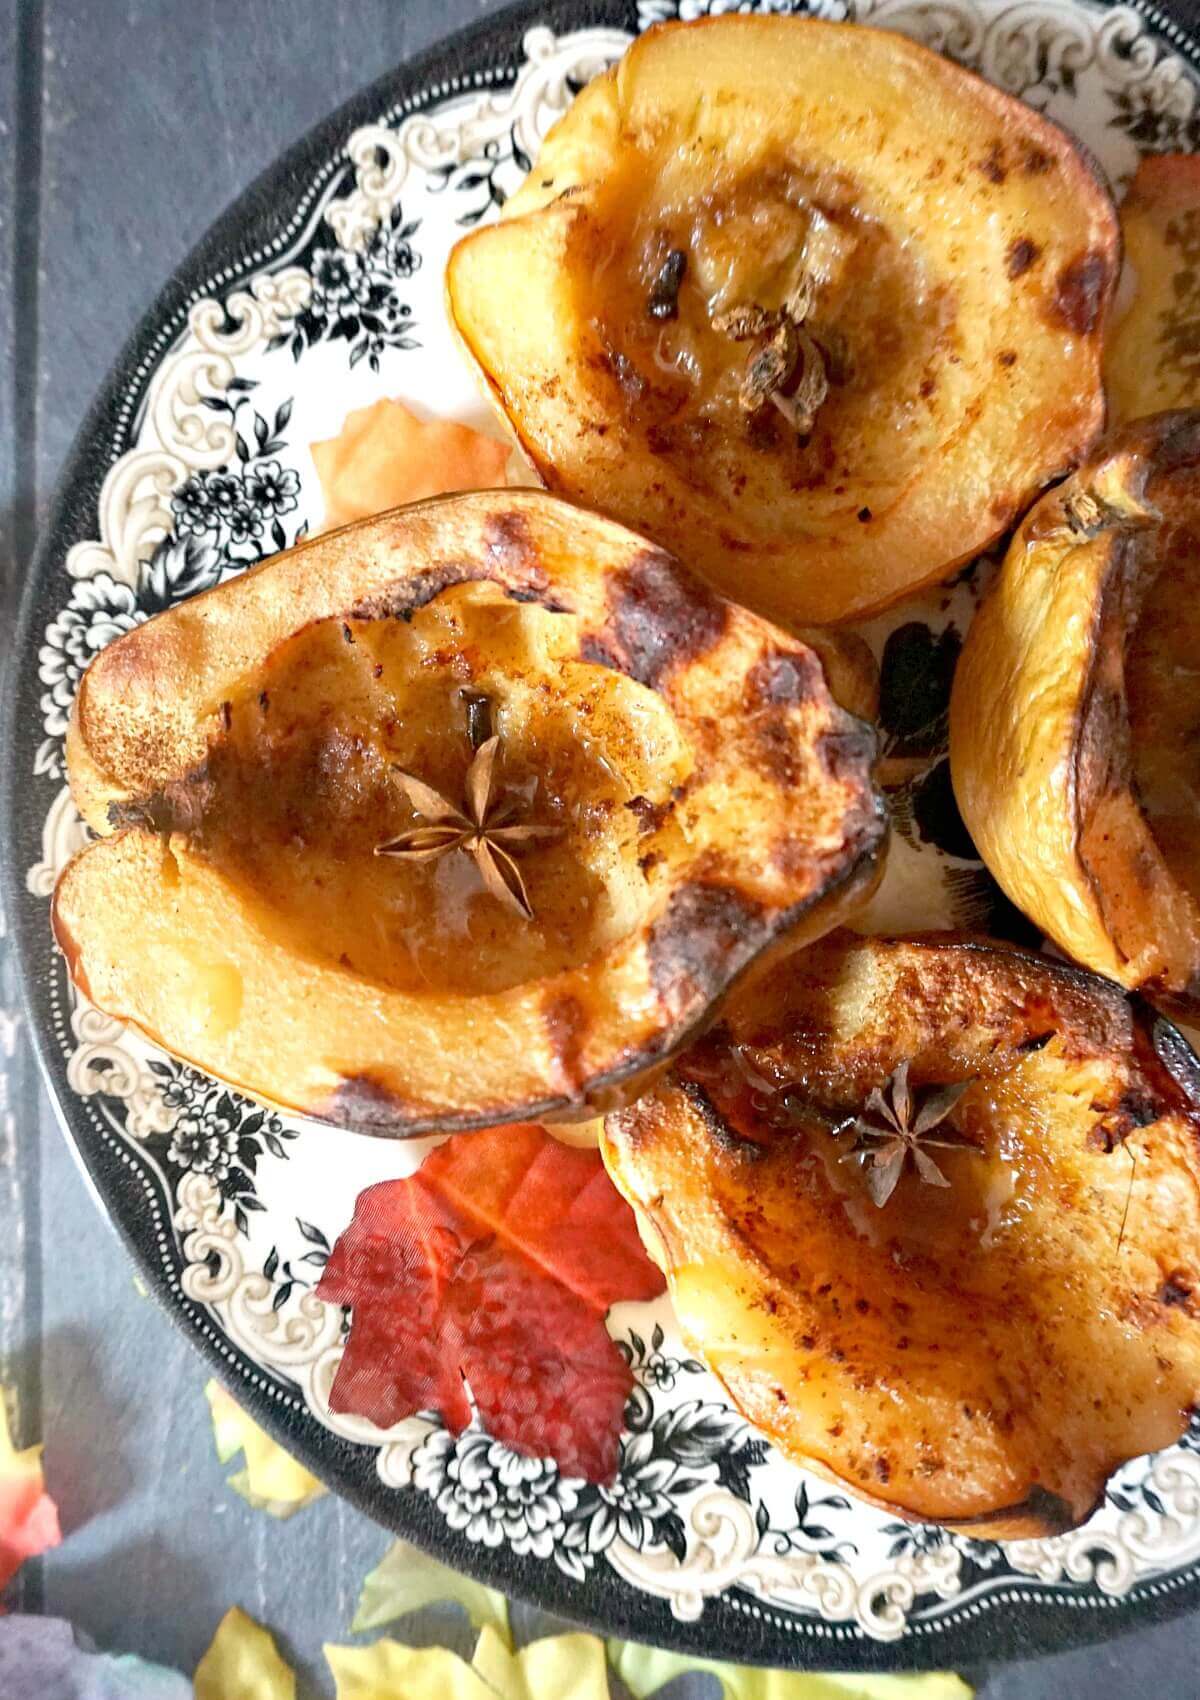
{"x":981,"y":1350}
{"x":810,"y":305}
{"x":1075,"y":715}
{"x":694,"y":794}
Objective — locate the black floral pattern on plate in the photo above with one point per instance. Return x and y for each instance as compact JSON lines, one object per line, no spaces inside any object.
{"x":313,"y":1260}
{"x":240,"y":508}
{"x":218,"y":1133}
{"x":224,"y":521}
{"x":494,"y":1495}
{"x":102,"y":608}
{"x":489,"y":178}
{"x":356,"y":296}
{"x":805,"y":1534}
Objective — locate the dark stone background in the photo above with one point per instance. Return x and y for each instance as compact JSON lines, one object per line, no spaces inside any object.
{"x":126,"y":126}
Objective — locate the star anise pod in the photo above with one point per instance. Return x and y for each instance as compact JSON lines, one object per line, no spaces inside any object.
{"x":895,"y":1127}
{"x":480,"y":828}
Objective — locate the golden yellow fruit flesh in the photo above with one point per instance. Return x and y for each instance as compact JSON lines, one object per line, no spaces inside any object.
{"x":810,"y":305}
{"x":1074,"y":715}
{"x":1152,"y":361}
{"x":983,"y":1352}
{"x":272,"y":900}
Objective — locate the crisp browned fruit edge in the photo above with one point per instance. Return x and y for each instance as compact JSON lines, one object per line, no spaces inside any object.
{"x":136,"y":761}
{"x":1165,"y":1053}
{"x":1082,"y":300}
{"x":1042,"y":837}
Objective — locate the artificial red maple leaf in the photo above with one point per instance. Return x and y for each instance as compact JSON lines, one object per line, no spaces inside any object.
{"x":492,"y":1267}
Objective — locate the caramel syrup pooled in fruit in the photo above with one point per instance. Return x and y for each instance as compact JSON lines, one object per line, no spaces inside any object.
{"x":1162,"y":684}
{"x":311,"y":780}
{"x":770,"y":311}
{"x":954,"y":1221}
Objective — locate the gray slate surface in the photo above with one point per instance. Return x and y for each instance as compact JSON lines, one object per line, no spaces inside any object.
{"x":142,"y":120}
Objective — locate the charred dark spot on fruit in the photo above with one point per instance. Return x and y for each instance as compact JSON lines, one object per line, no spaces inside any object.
{"x":1021,"y":255}
{"x":180,"y":806}
{"x":787,"y":678}
{"x":864,"y":515}
{"x":508,"y":561}
{"x":883,"y":1469}
{"x":718,"y":1130}
{"x":847,"y":753}
{"x":363,"y":1103}
{"x":509,"y":546}
{"x":649,"y":816}
{"x":566,"y":1022}
{"x":1007,"y":357}
{"x":1137,"y":1108}
{"x":1079,"y":294}
{"x":773,"y":685}
{"x":657,"y":622}
{"x":1035,"y":1042}
{"x":1036,"y":162}
{"x":621,"y":368}
{"x":600,"y":654}
{"x":400,"y":600}
{"x":992,"y":165}
{"x":1176,"y":1291}
{"x":705,"y":931}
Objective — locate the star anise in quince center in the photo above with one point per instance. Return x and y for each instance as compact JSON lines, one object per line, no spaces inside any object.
{"x":898,"y":1126}
{"x":482,"y":827}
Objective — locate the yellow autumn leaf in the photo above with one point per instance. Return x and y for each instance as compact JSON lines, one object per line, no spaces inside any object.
{"x":388,"y":1671}
{"x":644,"y":1670}
{"x":272,"y":1480}
{"x":561,"y":1667}
{"x":406,"y":1579}
{"x":243,"y":1663}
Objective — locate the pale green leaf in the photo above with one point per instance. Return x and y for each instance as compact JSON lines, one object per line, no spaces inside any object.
{"x":644,"y":1670}
{"x":407,"y":1579}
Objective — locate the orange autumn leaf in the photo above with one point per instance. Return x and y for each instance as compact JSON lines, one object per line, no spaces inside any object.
{"x":491,"y":1270}
{"x":1153,"y":357}
{"x":28,"y":1516}
{"x":385,"y":456}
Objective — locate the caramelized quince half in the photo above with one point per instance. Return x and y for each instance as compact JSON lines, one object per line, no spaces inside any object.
{"x":1152,"y":361}
{"x":930,"y":1209}
{"x":808,"y":304}
{"x":464,"y":814}
{"x":1075,"y":714}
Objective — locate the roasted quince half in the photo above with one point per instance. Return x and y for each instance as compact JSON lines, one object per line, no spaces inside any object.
{"x":813,"y":307}
{"x":930,"y":1209}
{"x":463,"y":814}
{"x":1153,"y":358}
{"x":1075,"y":714}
